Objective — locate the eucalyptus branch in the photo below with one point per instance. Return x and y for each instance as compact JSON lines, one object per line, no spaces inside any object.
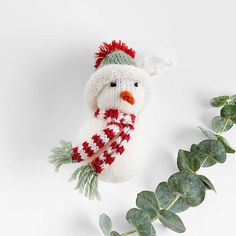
{"x":185,"y":188}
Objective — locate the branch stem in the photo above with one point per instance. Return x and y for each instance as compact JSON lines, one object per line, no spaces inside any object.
{"x":223,"y":129}
{"x":172,"y":202}
{"x":129,"y":232}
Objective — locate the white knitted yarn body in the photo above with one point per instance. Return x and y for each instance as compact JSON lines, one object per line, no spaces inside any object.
{"x":129,"y":163}
{"x":111,"y":146}
{"x":100,"y":94}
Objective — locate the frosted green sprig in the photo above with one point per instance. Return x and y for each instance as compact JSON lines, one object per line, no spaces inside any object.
{"x":185,"y":188}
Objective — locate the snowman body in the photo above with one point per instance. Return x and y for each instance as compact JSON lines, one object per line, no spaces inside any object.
{"x":110,"y":146}
{"x":129,"y":163}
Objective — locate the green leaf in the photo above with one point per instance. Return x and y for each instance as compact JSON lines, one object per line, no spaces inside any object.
{"x":219,"y":101}
{"x":105,"y":224}
{"x":227,"y":146}
{"x":208,"y":133}
{"x":208,"y":184}
{"x":186,"y":163}
{"x":232,"y":100}
{"x":114,"y":233}
{"x":147,"y":201}
{"x":221,"y":139}
{"x":221,"y":124}
{"x":165,"y":196}
{"x":171,"y":221}
{"x":193,"y":147}
{"x":209,"y":152}
{"x":229,"y":111}
{"x":187,"y":187}
{"x":141,"y":221}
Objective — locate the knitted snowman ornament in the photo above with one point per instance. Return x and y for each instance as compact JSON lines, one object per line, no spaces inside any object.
{"x":110,"y":145}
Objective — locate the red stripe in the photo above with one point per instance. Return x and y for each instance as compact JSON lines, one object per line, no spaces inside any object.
{"x":114,"y":145}
{"x":76,"y":156}
{"x":87,"y":149}
{"x":112,"y":113}
{"x":109,"y":133}
{"x":127,"y":137}
{"x":97,"y":112}
{"x":120,"y":149}
{"x":133,"y":117}
{"x":97,"y":139}
{"x":96,"y":163}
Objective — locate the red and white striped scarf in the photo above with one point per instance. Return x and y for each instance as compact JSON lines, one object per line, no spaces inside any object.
{"x":117,"y":132}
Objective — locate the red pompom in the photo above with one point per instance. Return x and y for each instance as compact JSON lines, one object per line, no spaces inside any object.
{"x":107,"y":48}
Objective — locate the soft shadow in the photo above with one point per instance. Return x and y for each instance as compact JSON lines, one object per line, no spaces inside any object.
{"x":55,"y":102}
{"x":160,"y":166}
{"x":84,"y":225}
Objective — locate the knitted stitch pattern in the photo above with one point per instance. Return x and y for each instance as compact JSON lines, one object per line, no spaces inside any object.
{"x":119,"y":127}
{"x":113,"y":139}
{"x":103,"y":76}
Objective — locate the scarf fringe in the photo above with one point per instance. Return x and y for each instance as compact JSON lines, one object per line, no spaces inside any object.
{"x":61,"y":155}
{"x":119,"y":125}
{"x":87,"y":181}
{"x":86,"y":176}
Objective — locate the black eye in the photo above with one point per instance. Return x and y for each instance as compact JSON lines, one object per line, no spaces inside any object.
{"x":113,"y":84}
{"x":136,"y":84}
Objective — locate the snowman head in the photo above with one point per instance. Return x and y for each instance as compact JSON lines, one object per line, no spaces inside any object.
{"x":117,"y":82}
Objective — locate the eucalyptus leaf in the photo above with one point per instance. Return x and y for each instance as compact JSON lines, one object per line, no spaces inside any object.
{"x":219,"y":101}
{"x":147,"y":201}
{"x":141,"y":221}
{"x":208,"y":133}
{"x":220,"y":124}
{"x":209,"y":152}
{"x":229,"y":111}
{"x":232,"y":100}
{"x":185,"y":162}
{"x":171,"y":221}
{"x":227,"y":146}
{"x":193,"y":147}
{"x":221,"y":139}
{"x":114,"y":233}
{"x":187,"y":187}
{"x":105,"y":224}
{"x":208,"y":184}
{"x":165,"y":196}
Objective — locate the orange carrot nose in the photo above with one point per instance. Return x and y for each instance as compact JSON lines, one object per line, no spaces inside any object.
{"x":127,"y":96}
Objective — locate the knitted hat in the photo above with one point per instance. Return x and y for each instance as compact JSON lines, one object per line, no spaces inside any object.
{"x":114,"y":53}
{"x":114,"y":61}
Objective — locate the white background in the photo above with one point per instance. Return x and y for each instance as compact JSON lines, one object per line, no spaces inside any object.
{"x":46,"y":56}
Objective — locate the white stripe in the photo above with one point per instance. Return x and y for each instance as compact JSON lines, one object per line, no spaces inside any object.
{"x":124,"y":143}
{"x":118,"y":140}
{"x":115,"y":128}
{"x":101,"y":114}
{"x":109,"y":150}
{"x":126,"y":129}
{"x":104,"y":137}
{"x":128,"y":119}
{"x":93,"y":146}
{"x":102,"y":157}
{"x":83,"y":154}
{"x":104,"y":165}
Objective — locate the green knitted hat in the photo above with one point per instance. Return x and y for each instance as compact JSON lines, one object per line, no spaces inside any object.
{"x":114,"y":53}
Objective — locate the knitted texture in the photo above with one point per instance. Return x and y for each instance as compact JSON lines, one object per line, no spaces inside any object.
{"x":116,"y":93}
{"x":124,"y":75}
{"x":114,"y":53}
{"x":117,"y":134}
{"x":117,"y":57}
